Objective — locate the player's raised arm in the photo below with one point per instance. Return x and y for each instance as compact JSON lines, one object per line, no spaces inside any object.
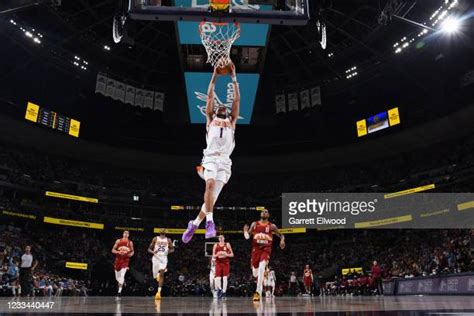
{"x":152,"y":246}
{"x":114,"y":248}
{"x":234,"y":115}
{"x":211,"y":97}
{"x":280,"y":235}
{"x":248,"y":231}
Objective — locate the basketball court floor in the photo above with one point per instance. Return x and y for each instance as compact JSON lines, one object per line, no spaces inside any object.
{"x":388,"y":305}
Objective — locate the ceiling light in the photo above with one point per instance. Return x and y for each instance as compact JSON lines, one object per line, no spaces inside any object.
{"x":451,"y":25}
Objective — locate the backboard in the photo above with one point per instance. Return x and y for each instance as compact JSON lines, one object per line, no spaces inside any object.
{"x":286,"y":12}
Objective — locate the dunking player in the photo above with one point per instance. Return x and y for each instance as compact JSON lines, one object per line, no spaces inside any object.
{"x":160,"y":247}
{"x":216,"y":165}
{"x":269,"y":283}
{"x":308,"y":279}
{"x":262,"y":239}
{"x":123,"y":250}
{"x":222,"y":251}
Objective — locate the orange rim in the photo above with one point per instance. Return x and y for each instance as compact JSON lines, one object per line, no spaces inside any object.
{"x":237,"y":24}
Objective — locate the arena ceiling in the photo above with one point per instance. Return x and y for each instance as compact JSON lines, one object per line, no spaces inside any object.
{"x":294,"y":55}
{"x":421,"y":81}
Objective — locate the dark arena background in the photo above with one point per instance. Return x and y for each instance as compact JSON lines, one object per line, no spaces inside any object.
{"x":103,"y":109}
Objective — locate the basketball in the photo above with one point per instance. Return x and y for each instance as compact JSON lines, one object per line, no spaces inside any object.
{"x":226,"y":70}
{"x":219,"y":5}
{"x":124,"y":250}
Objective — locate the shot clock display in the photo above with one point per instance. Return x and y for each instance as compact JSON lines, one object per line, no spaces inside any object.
{"x":51,"y":119}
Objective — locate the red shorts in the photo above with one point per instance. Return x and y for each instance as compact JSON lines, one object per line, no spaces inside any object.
{"x":308,"y":282}
{"x":121,"y":263}
{"x":222,"y":269}
{"x":260,"y":254}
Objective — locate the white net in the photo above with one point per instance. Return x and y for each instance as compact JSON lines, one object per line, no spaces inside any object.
{"x":218,"y":38}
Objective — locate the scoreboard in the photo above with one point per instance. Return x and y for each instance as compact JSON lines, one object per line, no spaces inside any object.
{"x":378,"y":122}
{"x":51,"y":119}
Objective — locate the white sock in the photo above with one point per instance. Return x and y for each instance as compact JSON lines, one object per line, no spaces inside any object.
{"x":218,"y":283}
{"x":224,"y":285}
{"x":198,"y":220}
{"x":159,"y":289}
{"x":209,"y":217}
{"x":120,"y":289}
{"x":261,"y":272}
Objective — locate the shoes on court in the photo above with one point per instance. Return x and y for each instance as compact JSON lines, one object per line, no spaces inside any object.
{"x":158,"y":296}
{"x":256,"y":297}
{"x":118,"y":295}
{"x":224,"y":297}
{"x":219,"y":294}
{"x":188,"y":234}
{"x":210,"y":230}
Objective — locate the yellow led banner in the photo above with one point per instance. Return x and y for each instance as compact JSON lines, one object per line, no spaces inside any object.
{"x":135,"y":229}
{"x":32,"y":112}
{"x":292,"y":230}
{"x":71,"y":197}
{"x":175,"y":231}
{"x":351,"y":270}
{"x":385,"y":221}
{"x":74,"y":128}
{"x":361,"y":128}
{"x":177,"y":207}
{"x":393,"y":117}
{"x":410,"y":191}
{"x":68,"y":222}
{"x":76,"y":265}
{"x":465,"y":206}
{"x":16,"y":214}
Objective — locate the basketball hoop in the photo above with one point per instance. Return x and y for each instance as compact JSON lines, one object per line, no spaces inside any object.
{"x":218,"y":38}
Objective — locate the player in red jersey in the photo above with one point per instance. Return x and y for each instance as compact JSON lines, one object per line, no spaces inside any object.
{"x":123,"y":250}
{"x":308,"y":279}
{"x":222,"y":251}
{"x":262,"y":238}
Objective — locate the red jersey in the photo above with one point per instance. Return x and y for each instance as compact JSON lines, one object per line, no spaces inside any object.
{"x":224,"y":248}
{"x":307,"y":276}
{"x":122,"y":260}
{"x":262,"y":235}
{"x":362,"y":280}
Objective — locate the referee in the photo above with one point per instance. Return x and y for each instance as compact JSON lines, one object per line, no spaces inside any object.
{"x":26,"y":268}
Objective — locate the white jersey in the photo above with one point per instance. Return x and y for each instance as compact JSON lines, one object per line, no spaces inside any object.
{"x":271,"y":276}
{"x":220,"y":138}
{"x":213,"y":267}
{"x":161,"y":246}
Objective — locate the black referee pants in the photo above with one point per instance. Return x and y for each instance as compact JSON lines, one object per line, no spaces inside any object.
{"x":25,"y":281}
